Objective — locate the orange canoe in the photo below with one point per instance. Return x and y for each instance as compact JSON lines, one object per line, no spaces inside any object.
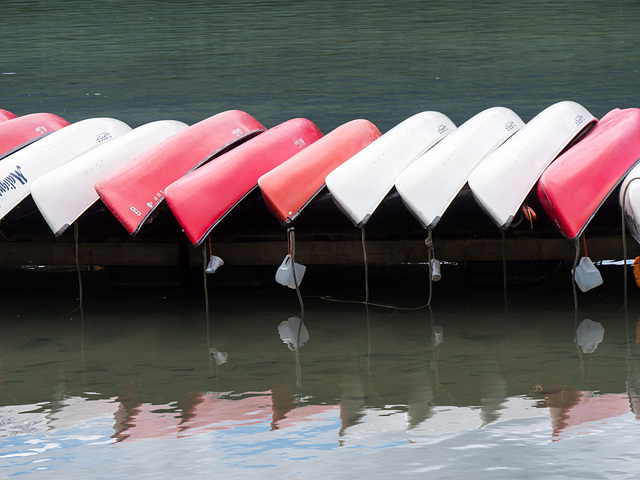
{"x":201,"y":199}
{"x":289,"y":187}
{"x":133,"y":191}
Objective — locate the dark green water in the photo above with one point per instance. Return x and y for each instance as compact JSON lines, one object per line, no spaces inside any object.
{"x":329,"y":61}
{"x":144,"y":385}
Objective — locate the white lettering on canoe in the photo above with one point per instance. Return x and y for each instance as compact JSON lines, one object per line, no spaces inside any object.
{"x":41,"y":130}
{"x":300,"y":142}
{"x":136,"y":211}
{"x":11,"y":181}
{"x":237,"y":132}
{"x":156,"y":198}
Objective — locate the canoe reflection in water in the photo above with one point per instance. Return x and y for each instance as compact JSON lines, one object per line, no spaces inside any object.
{"x":209,"y":412}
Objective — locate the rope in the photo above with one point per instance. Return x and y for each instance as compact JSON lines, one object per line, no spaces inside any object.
{"x":366,"y":267}
{"x":6,"y":238}
{"x":573,"y":275}
{"x":328,"y":298}
{"x":428,"y":242}
{"x":75,"y":237}
{"x":291,"y":242}
{"x":204,"y":274}
{"x":430,"y":255}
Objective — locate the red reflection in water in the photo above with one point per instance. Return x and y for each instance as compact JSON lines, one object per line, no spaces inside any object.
{"x":210,"y":412}
{"x":572,"y":409}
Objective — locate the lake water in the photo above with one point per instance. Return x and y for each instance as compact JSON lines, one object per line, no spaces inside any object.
{"x":144,"y":384}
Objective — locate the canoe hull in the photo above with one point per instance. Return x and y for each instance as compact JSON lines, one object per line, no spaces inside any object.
{"x":429,"y":185}
{"x":504,"y":179}
{"x":289,"y":187}
{"x":629,"y":200}
{"x":19,"y":132}
{"x":201,"y":199}
{"x":574,"y":186}
{"x":361,"y":183}
{"x":20,"y":170}
{"x":6,"y":115}
{"x":65,"y":193}
{"x":134,"y":191}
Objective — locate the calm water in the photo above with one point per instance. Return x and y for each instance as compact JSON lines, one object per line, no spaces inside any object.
{"x":143,"y":384}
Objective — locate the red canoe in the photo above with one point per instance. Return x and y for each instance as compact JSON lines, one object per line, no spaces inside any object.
{"x":289,"y":187}
{"x":18,"y":132}
{"x":201,"y":199}
{"x":6,"y":115}
{"x":135,"y":190}
{"x":574,"y":186}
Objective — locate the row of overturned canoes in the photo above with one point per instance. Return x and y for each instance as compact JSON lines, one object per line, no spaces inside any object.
{"x":205,"y":170}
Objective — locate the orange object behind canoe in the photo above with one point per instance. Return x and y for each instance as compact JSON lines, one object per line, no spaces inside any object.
{"x":289,"y":187}
{"x":19,"y":132}
{"x":201,"y":199}
{"x":135,"y":190}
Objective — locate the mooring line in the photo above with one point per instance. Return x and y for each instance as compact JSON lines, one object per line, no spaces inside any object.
{"x":428,"y":243}
{"x":366,"y":267}
{"x":204,"y":275}
{"x":291,"y":235}
{"x":80,"y":294}
{"x":430,"y":255}
{"x":573,"y":275}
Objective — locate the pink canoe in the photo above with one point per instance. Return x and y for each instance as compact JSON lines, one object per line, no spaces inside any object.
{"x":6,"y":115}
{"x":289,"y":187}
{"x":133,"y":191}
{"x":18,"y":132}
{"x":572,"y":189}
{"x":201,"y":199}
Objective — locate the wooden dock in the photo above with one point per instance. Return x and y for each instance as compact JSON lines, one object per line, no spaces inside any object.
{"x":252,"y":237}
{"x":328,"y":252}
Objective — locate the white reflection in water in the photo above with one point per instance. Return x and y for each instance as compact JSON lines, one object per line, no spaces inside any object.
{"x":238,"y":435}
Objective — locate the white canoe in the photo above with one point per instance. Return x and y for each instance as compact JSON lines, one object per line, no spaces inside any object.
{"x":630,"y":192}
{"x":361,"y":183}
{"x":21,"y":169}
{"x":429,"y":185}
{"x":65,"y":193}
{"x":504,"y":179}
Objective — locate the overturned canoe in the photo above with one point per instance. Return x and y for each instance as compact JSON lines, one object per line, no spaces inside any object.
{"x":361,"y":183}
{"x":19,"y":132}
{"x":201,"y":199}
{"x":629,"y":199}
{"x":20,"y":170}
{"x":429,"y":185}
{"x":576,"y":184}
{"x":504,"y":179}
{"x":289,"y":187}
{"x":6,"y":115}
{"x":133,"y":191}
{"x":65,"y":193}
